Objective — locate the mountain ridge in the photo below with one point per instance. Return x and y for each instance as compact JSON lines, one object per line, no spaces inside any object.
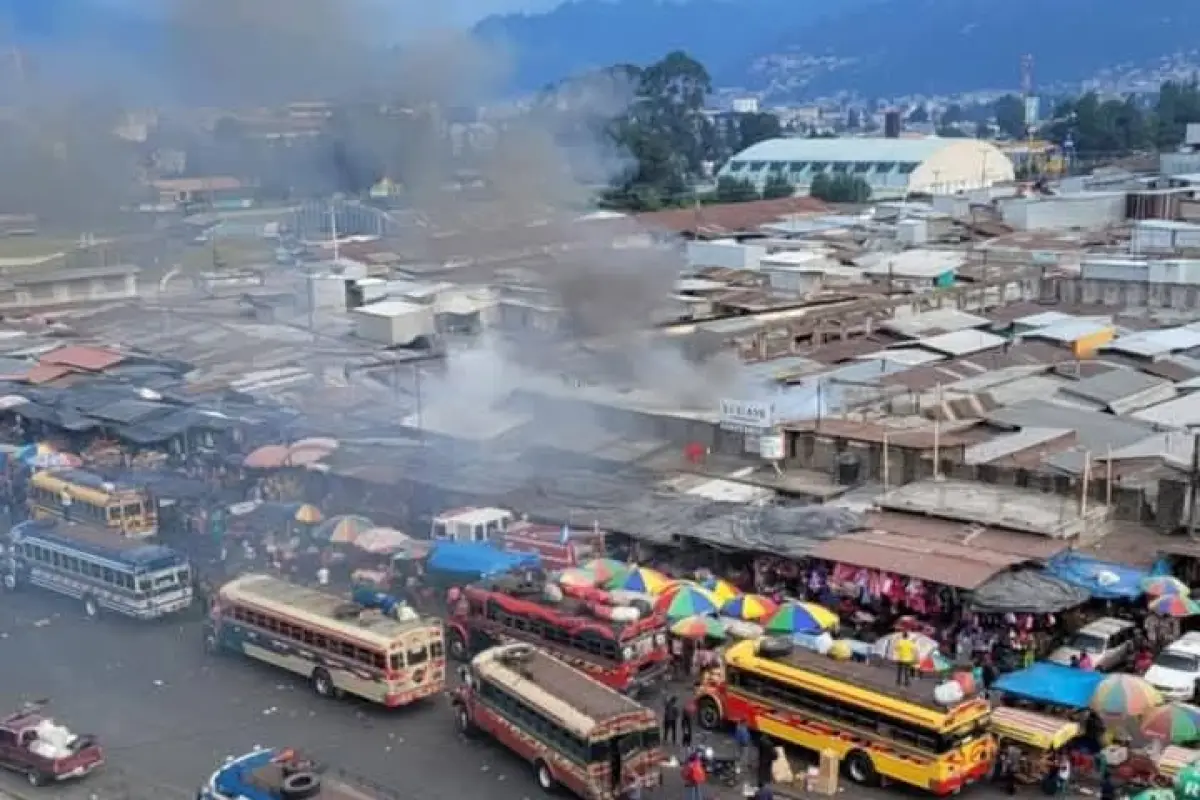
{"x":871,"y":47}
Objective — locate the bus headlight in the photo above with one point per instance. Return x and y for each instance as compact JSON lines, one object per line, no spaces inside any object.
{"x":627,"y":653}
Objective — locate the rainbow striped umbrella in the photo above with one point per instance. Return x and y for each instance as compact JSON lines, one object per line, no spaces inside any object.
{"x":641,"y":579}
{"x":1175,"y":605}
{"x":723,"y":590}
{"x":1162,"y":585}
{"x":751,"y":607}
{"x":800,"y":618}
{"x":577,"y":577}
{"x":1122,"y":695}
{"x":698,"y":627}
{"x":607,"y":570}
{"x":1174,"y":723}
{"x":686,"y":600}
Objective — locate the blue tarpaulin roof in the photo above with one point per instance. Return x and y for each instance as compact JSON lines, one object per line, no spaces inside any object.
{"x":1051,"y":683}
{"x":477,"y":558}
{"x":1105,"y":580}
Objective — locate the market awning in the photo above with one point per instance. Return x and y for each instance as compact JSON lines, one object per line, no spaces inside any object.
{"x":1027,"y":592}
{"x":1105,"y":580}
{"x":935,"y":561}
{"x":1053,"y":684}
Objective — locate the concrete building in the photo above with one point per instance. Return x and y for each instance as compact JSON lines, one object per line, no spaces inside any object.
{"x":892,"y":167}
{"x":393,"y":322}
{"x":1084,"y":210}
{"x":43,"y":289}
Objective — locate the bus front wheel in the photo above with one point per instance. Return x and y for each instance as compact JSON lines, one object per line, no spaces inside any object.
{"x":860,"y":769}
{"x":545,"y":777}
{"x":323,"y":684}
{"x":708,"y":714}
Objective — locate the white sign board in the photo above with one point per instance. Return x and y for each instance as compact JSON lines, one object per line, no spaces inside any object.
{"x":771,"y":447}
{"x":746,"y":416}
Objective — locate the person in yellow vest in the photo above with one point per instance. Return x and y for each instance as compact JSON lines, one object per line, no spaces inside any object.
{"x":905,"y":651}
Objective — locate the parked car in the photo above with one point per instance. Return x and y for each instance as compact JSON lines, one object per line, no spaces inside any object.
{"x":43,"y":751}
{"x":1177,"y":668}
{"x":1108,"y":642}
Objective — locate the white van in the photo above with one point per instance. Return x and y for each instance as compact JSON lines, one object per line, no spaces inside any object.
{"x":1177,"y":668}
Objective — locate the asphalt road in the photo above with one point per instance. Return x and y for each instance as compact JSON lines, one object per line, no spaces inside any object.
{"x":168,"y":714}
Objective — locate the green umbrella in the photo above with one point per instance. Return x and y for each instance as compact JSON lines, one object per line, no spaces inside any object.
{"x":1187,"y":783}
{"x":1155,"y":794}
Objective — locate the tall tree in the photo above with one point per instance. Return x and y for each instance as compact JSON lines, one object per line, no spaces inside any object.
{"x":1010,"y":116}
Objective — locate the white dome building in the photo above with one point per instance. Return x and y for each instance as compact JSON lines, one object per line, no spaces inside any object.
{"x":892,"y":167}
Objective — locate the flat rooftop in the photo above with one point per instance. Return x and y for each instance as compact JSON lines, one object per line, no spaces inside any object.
{"x":1024,"y":510}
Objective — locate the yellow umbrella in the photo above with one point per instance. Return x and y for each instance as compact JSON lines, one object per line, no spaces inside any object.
{"x":308,"y":514}
{"x":723,"y":590}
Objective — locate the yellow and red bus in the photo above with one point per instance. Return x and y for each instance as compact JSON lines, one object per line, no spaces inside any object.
{"x":880,"y":731}
{"x":379,"y":651}
{"x":576,"y":732}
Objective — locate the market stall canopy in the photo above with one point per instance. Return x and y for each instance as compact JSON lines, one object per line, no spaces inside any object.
{"x":477,"y":558}
{"x":271,"y":456}
{"x":938,"y":562}
{"x":1052,"y":684}
{"x":1103,"y":580}
{"x":1027,"y":592}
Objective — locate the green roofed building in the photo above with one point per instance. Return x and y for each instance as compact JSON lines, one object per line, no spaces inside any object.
{"x":892,"y":167}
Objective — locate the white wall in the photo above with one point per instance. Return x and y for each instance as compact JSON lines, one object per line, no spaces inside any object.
{"x":1086,"y":211}
{"x":727,"y":254}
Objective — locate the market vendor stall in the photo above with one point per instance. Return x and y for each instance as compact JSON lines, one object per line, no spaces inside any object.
{"x":1174,"y":758}
{"x":1038,"y":738}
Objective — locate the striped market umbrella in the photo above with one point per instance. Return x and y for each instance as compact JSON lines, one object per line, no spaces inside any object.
{"x":641,"y":579}
{"x":606,"y":570}
{"x":793,"y":618}
{"x":1122,"y":695}
{"x":308,"y":514}
{"x":344,"y":529}
{"x":1174,"y":723}
{"x":723,"y":590}
{"x":1175,"y":605}
{"x":1162,"y":585}
{"x":698,"y":627}
{"x":885,"y":647}
{"x":687,"y":600}
{"x":750,"y":607}
{"x":578,"y":577}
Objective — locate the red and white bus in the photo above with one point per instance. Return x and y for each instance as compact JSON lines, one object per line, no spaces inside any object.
{"x":382,"y":652}
{"x":622,"y":647}
{"x":575,"y":732}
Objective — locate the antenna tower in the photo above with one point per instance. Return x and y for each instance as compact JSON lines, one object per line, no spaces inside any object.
{"x":1027,"y":102}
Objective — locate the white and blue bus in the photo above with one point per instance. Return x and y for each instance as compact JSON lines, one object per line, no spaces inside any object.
{"x":100,"y":568}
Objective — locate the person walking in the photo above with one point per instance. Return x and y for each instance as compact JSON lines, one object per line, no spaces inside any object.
{"x":766,"y":759}
{"x":66,"y":500}
{"x":694,"y":777}
{"x":906,"y":659}
{"x":686,"y":720}
{"x":741,"y":738}
{"x":670,"y":723}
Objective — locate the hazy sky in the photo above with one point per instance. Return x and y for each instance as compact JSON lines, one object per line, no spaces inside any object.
{"x":460,"y":12}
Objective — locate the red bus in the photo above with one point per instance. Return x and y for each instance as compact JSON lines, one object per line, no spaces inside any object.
{"x":622,"y":647}
{"x":574,"y":731}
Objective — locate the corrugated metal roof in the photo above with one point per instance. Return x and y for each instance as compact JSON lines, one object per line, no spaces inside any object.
{"x":1045,"y":319}
{"x":940,"y":320}
{"x":1004,"y":446}
{"x":1071,"y":330}
{"x":1095,"y":431}
{"x":1115,"y":385}
{"x":909,"y":356}
{"x":1161,"y":342}
{"x":962,"y":343}
{"x":908,"y":151}
{"x":1182,"y":412}
{"x":92,"y":359}
{"x":936,"y":561}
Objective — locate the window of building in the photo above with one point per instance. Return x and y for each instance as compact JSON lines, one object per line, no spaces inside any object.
{"x":737,"y":166}
{"x":819,"y":166}
{"x":798,"y":166}
{"x":756,"y":166}
{"x":907,"y":169}
{"x":778,"y":166}
{"x":862,"y":167}
{"x":885,"y":166}
{"x":841,"y":167}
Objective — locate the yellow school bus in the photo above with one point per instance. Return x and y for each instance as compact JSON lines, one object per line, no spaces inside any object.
{"x":879,"y":730}
{"x":116,"y":506}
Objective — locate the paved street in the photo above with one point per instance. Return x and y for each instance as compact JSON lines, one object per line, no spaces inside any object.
{"x":168,"y":714}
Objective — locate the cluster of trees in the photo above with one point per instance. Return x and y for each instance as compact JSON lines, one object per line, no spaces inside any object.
{"x":1099,"y":127}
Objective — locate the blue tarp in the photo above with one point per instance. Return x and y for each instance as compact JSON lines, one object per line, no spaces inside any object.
{"x":1104,"y":580}
{"x":1051,"y":683}
{"x":478,"y":559}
